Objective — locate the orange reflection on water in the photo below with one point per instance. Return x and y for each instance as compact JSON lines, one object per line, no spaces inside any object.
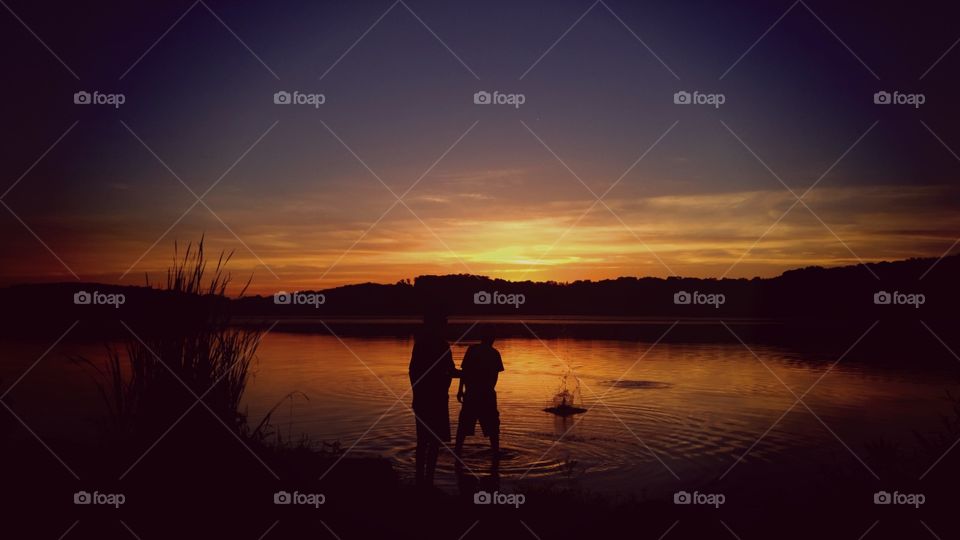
{"x":697,"y":407}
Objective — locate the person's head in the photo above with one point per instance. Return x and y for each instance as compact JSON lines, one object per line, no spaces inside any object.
{"x":434,"y":322}
{"x":486,"y":335}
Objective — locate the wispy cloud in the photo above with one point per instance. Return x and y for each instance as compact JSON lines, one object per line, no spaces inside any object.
{"x":697,"y":235}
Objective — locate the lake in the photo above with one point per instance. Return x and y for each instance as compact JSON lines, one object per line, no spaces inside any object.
{"x":660,"y":417}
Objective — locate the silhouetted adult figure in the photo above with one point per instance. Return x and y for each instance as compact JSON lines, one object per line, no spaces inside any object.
{"x":431,"y":372}
{"x":477,"y":392}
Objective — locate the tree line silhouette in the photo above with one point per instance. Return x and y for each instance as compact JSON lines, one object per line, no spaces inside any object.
{"x":841,"y":293}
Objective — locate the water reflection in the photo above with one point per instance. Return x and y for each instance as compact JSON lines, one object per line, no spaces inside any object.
{"x":687,"y":408}
{"x":677,"y":409}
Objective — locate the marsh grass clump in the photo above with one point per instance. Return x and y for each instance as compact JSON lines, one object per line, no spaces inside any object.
{"x":181,"y":347}
{"x":184,"y":341}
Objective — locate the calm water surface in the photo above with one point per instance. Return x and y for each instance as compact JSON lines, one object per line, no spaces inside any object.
{"x":678,"y":411}
{"x":680,"y":415}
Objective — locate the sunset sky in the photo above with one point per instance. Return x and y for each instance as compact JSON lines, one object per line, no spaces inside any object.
{"x":497,"y":190}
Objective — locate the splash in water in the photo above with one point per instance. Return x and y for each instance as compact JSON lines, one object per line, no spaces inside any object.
{"x":566,"y":401}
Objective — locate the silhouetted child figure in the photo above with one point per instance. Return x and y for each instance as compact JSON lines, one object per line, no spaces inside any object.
{"x":480,"y":369}
{"x":431,"y":372}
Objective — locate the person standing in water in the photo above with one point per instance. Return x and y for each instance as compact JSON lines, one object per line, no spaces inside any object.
{"x":431,"y":372}
{"x":480,"y":370}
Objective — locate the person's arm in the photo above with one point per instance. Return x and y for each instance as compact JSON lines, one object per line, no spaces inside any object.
{"x":499,"y":367}
{"x":463,"y":373}
{"x":412,"y":369}
{"x":451,"y":367}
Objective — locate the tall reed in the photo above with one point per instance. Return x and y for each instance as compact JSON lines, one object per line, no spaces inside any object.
{"x":184,"y":340}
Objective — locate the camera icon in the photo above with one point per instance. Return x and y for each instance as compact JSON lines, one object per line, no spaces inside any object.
{"x":682,"y":98}
{"x":881,"y":98}
{"x":882,"y":297}
{"x":682,"y":497}
{"x":682,"y":297}
{"x":282,"y":497}
{"x":82,"y":298}
{"x":81,"y":98}
{"x":282,"y":97}
{"x":482,"y":297}
{"x":882,"y":497}
{"x":482,"y":497}
{"x":482,"y":98}
{"x":82,"y":497}
{"x":282,"y":297}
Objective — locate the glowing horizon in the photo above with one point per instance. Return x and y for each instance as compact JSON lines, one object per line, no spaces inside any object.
{"x":716,"y":235}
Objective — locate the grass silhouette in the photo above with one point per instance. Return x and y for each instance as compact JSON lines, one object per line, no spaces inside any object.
{"x":188,"y":343}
